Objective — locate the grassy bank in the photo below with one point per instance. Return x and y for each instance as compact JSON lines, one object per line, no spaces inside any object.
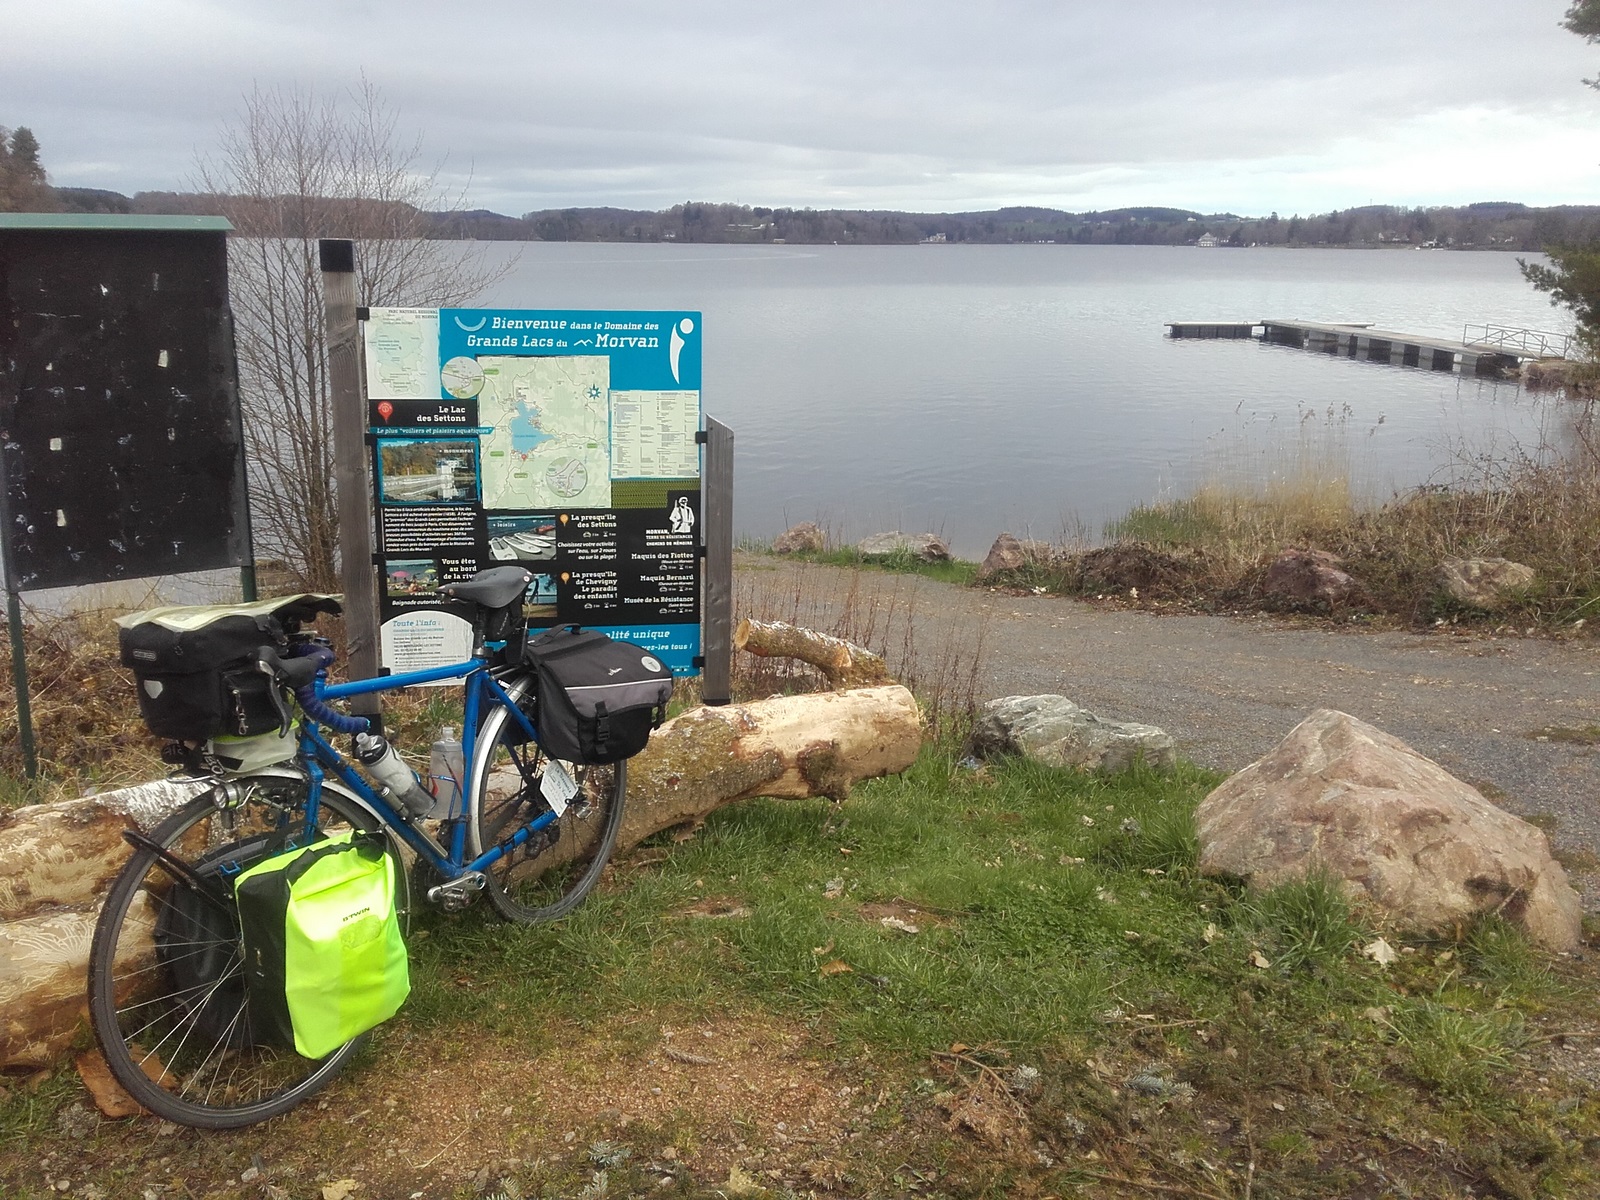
{"x":1213,"y":549}
{"x":1003,"y":981}
{"x":902,"y":561}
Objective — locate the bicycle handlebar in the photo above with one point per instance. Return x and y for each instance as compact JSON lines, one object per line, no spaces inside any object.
{"x":300,"y":671}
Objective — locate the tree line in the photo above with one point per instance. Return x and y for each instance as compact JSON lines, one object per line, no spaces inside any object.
{"x":1493,"y":225}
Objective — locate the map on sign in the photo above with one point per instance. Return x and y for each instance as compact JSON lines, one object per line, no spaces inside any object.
{"x":462,"y":377}
{"x":403,"y":354}
{"x":548,"y":443}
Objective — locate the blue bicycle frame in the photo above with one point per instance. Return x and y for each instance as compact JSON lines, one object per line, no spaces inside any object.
{"x":481,"y":688}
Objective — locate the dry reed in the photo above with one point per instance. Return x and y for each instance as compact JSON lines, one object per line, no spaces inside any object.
{"x":874,"y":609}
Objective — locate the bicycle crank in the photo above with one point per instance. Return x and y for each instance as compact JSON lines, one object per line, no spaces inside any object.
{"x":455,"y":894}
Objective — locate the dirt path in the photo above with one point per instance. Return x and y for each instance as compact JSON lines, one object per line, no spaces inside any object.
{"x":1229,"y":688}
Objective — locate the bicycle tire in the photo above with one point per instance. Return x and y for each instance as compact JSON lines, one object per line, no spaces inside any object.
{"x":557,"y":867}
{"x":143,"y":1015}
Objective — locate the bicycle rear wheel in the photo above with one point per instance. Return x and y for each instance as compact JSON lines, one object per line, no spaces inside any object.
{"x":559,"y":865}
{"x":166,"y":994}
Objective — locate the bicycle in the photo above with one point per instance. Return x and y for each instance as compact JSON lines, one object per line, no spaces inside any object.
{"x":166,"y":996}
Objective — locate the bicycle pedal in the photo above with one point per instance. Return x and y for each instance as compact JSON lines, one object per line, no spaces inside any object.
{"x":455,"y":894}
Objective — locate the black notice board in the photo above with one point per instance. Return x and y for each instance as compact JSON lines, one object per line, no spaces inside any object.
{"x":121,"y":450}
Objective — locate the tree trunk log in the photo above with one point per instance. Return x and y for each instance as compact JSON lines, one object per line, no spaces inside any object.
{"x":844,"y":663}
{"x":787,"y":747}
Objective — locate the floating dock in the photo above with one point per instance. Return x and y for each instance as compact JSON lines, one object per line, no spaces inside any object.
{"x":1364,"y":341}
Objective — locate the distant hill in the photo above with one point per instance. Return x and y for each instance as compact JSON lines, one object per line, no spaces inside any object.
{"x":1494,"y":224}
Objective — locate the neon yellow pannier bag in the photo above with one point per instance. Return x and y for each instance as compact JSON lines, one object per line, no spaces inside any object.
{"x":323,"y":956}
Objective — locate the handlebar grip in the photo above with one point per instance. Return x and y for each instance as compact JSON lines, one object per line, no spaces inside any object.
{"x":294,"y":672}
{"x":323,"y":715}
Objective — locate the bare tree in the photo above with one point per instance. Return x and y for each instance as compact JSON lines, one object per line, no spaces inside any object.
{"x":296,"y":167}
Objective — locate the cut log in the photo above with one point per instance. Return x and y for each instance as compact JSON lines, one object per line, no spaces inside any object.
{"x":844,"y":663}
{"x":787,"y":747}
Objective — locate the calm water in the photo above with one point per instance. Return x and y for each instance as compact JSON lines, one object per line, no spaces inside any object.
{"x":969,"y":389}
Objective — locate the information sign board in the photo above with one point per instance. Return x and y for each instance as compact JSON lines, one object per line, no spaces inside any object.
{"x":121,"y":447}
{"x":563,"y":440}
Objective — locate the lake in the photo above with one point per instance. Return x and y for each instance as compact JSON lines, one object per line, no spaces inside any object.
{"x":970,"y":389}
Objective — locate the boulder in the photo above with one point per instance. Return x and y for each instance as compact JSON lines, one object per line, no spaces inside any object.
{"x":1340,"y":796}
{"x":1308,"y":577}
{"x":1485,"y":583}
{"x":929,"y":547}
{"x":1055,"y":731}
{"x":1011,"y":553}
{"x":804,"y":538}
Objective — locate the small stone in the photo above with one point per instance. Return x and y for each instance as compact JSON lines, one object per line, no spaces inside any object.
{"x":1010,"y":553}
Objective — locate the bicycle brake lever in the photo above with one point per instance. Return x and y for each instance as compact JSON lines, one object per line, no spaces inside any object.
{"x":273,"y":667}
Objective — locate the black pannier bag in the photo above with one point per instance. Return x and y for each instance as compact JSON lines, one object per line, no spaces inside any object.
{"x":195,"y":670}
{"x":196,"y":937}
{"x":596,"y":700}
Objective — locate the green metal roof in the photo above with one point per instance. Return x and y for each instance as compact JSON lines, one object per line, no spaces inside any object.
{"x":113,"y":223}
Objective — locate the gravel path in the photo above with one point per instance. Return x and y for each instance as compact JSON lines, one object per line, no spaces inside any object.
{"x":1228,"y":689}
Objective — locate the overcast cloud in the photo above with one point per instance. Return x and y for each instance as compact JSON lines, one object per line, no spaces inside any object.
{"x":1288,"y":105}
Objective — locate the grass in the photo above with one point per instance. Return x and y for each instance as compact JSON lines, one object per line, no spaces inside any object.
{"x":901,"y":561}
{"x":1078,"y":1013}
{"x":968,"y":980}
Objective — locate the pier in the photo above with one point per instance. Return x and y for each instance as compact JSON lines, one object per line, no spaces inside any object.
{"x":1495,"y":352}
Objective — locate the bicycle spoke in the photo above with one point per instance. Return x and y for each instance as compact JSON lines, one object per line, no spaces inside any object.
{"x":167,"y":988}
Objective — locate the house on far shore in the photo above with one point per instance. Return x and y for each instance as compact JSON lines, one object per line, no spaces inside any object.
{"x":1208,"y":240}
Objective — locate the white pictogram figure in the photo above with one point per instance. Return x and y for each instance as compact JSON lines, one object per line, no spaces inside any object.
{"x":682,"y":516}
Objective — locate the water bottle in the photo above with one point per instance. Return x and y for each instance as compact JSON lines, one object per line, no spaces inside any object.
{"x":447,"y":766}
{"x":383,"y":762}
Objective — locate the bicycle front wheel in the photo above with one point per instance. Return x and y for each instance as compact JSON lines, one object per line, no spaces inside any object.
{"x":166,"y":991}
{"x":559,"y":865}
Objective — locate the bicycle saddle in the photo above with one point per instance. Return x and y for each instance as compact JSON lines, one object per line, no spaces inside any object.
{"x":495,"y":587}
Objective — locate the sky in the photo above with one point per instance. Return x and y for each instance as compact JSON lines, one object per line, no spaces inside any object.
{"x":1249,"y":107}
